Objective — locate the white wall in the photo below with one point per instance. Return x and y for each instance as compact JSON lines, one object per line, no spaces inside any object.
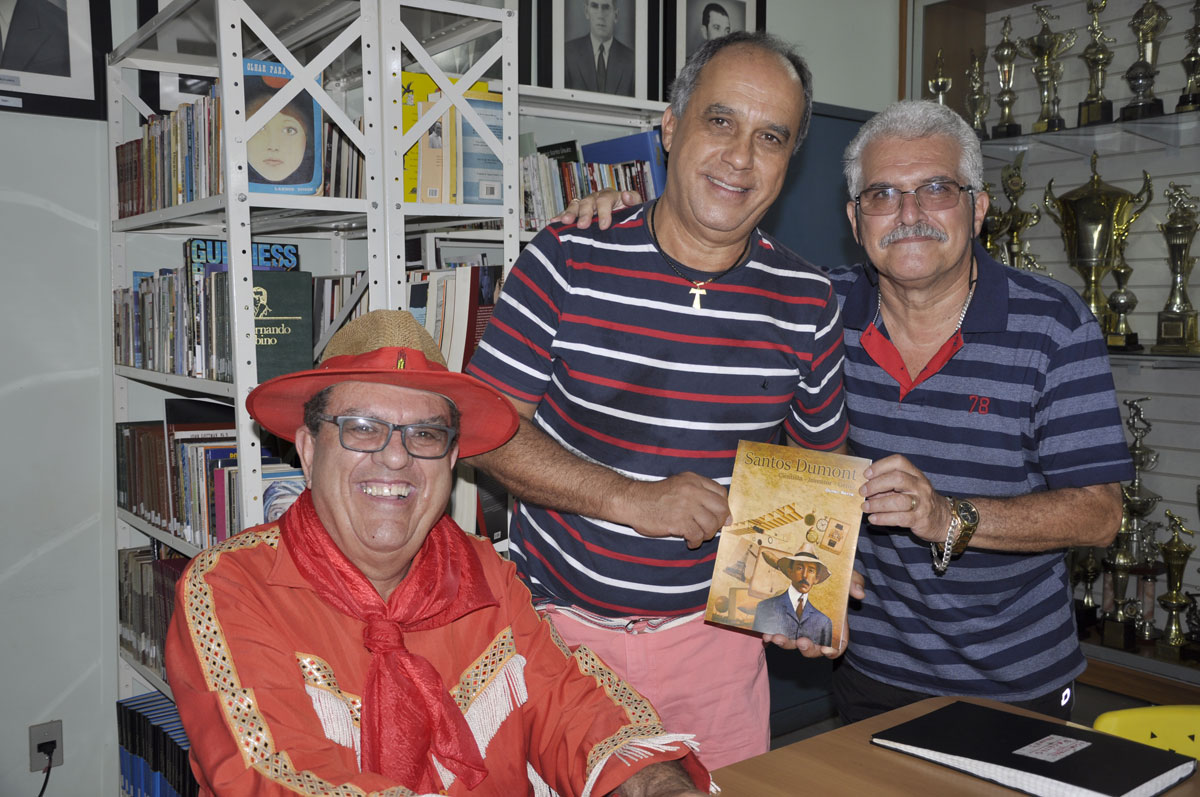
{"x":852,"y":47}
{"x":54,"y":617}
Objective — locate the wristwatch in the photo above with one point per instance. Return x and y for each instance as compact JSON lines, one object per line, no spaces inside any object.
{"x":968,"y":520}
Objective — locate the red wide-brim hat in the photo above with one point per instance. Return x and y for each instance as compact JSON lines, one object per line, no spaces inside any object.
{"x":487,"y":418}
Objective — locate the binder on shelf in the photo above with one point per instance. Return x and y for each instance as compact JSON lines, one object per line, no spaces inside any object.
{"x":644,"y":146}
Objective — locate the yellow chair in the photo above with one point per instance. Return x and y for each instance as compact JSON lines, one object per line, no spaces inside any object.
{"x":1167,"y":727}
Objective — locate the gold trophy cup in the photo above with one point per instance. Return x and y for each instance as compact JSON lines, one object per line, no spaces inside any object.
{"x":1045,"y":48}
{"x":978,"y":98}
{"x":939,"y":84}
{"x":1177,"y":321}
{"x":1013,"y":184}
{"x":1005,"y":56}
{"x":1189,"y":100}
{"x":1095,"y":109}
{"x":1148,"y":22}
{"x":1175,"y":553}
{"x":1094,"y":219}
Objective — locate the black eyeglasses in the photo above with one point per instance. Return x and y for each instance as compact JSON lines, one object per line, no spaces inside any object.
{"x":886,"y":200}
{"x":368,"y":435}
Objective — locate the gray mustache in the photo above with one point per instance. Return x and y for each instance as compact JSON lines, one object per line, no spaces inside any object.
{"x":921,"y":228}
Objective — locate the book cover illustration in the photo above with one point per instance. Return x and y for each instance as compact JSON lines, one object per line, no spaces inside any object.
{"x":285,"y":156}
{"x":783,"y":565}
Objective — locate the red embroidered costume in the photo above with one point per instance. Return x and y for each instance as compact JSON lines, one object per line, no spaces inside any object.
{"x":269,"y":679}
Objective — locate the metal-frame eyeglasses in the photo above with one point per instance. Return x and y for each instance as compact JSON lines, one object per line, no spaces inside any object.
{"x":368,"y":435}
{"x":886,"y":200}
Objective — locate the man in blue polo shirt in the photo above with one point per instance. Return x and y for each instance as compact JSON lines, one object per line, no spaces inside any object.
{"x":984,"y":397}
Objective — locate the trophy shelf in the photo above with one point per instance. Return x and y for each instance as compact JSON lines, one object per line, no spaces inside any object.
{"x":1142,"y":135}
{"x":1179,"y":362}
{"x":1139,"y":673}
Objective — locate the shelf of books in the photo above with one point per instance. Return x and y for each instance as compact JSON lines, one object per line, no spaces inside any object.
{"x":257,"y":204}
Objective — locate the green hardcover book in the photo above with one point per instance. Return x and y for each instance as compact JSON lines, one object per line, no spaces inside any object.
{"x":283,"y":322}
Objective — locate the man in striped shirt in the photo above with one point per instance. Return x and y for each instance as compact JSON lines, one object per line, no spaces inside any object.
{"x":983,"y":395}
{"x":638,"y":357}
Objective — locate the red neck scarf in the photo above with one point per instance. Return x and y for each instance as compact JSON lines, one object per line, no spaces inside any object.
{"x":407,"y":712}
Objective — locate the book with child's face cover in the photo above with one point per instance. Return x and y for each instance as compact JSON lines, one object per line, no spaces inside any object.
{"x":784,"y":564}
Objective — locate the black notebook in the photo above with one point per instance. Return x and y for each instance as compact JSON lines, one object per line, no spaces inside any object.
{"x":1036,"y":756}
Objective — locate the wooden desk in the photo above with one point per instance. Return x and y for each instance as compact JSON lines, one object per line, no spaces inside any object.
{"x":843,"y":761}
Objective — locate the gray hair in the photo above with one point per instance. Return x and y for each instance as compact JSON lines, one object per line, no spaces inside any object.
{"x":910,"y":120}
{"x":689,"y":77}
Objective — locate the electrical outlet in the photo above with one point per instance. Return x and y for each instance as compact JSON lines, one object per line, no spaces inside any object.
{"x":46,"y":732}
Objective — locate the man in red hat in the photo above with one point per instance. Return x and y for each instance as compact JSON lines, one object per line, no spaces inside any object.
{"x":364,"y":642}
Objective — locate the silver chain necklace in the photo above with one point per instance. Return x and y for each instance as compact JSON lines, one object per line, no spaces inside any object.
{"x":962,"y":314}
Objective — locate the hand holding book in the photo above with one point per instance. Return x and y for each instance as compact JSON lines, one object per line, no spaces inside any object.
{"x":684,"y":505}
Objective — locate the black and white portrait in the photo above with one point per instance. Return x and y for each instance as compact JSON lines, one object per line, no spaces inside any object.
{"x":701,"y":20}
{"x":34,"y":37}
{"x":602,"y":46}
{"x":52,"y":56}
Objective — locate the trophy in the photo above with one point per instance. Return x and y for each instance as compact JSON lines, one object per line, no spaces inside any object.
{"x":1175,"y":553}
{"x":1044,"y":49}
{"x":1189,"y":100}
{"x":1121,"y":303}
{"x":939,"y":84}
{"x":1094,"y":219}
{"x":1083,"y":567}
{"x":978,"y":98}
{"x":1148,"y":568}
{"x":1019,"y":220}
{"x":995,"y":224}
{"x":1147,"y":22}
{"x":1120,"y":625}
{"x":1095,"y":109}
{"x":1005,"y":56}
{"x":1177,"y":321}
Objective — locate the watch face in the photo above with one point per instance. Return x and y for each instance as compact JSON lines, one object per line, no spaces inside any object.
{"x":968,"y":513}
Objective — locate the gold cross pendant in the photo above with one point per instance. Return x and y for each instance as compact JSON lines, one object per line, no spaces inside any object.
{"x":697,"y":292}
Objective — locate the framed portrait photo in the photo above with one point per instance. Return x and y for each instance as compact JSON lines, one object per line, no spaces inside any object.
{"x":52,"y":57}
{"x":689,"y":23}
{"x":604,"y":47}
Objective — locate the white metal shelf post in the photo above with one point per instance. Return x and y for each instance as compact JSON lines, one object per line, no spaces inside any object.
{"x":404,"y":46}
{"x":230,"y":19}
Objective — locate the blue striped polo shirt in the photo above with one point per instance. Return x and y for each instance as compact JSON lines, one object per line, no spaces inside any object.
{"x":1027,"y":404}
{"x":596,"y":329}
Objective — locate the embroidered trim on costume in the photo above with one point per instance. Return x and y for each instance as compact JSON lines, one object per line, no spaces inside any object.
{"x":558,"y":640}
{"x":640,"y":748}
{"x":540,"y":787}
{"x":242,"y":714}
{"x":489,"y":691}
{"x":643,"y":734}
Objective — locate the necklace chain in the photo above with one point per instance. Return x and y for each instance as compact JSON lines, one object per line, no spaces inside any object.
{"x":962,"y":314}
{"x":698,"y":287}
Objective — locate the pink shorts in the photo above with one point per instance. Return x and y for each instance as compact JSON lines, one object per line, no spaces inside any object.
{"x":701,"y":679}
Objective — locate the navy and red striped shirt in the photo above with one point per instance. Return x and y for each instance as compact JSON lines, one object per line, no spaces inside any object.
{"x":1025,"y":405}
{"x":596,"y":329}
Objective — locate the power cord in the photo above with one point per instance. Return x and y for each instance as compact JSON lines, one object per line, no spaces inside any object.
{"x":47,"y":749}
